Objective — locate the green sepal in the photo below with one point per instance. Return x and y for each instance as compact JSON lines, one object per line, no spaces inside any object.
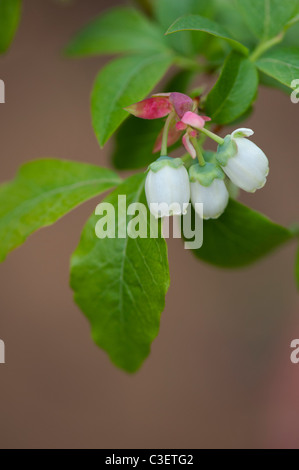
{"x":226,"y":150}
{"x":206,"y":174}
{"x":210,"y":156}
{"x":165,"y":161}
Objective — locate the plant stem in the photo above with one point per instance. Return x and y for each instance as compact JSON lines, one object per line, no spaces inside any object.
{"x":165,"y":135}
{"x":202,"y":139}
{"x":199,"y":154}
{"x":264,"y":46}
{"x":292,"y":22}
{"x":212,"y":136}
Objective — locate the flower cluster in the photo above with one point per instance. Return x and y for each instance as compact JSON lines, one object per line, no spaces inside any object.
{"x":169,"y":186}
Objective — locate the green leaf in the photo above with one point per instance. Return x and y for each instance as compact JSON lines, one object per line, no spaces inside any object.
{"x":281,"y":64}
{"x":10,"y":14}
{"x":270,"y":82}
{"x":123,"y":82}
{"x":228,"y":16}
{"x":267,"y":18}
{"x":42,"y":192}
{"x":180,"y":81}
{"x":240,"y":237}
{"x":243,"y":117}
{"x":167,"y":11}
{"x":120,"y":284}
{"x":146,"y":6}
{"x":134,"y":143}
{"x":199,"y":23}
{"x":234,"y":91}
{"x":116,"y":31}
{"x":291,"y":38}
{"x":293,"y":21}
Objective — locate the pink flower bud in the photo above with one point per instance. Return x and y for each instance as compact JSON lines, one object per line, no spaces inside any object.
{"x":151,"y":108}
{"x":194,"y":120}
{"x":181,"y":103}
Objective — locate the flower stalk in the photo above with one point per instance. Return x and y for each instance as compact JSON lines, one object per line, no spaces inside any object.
{"x":199,"y":154}
{"x":165,"y":135}
{"x":212,"y":136}
{"x":265,"y":46}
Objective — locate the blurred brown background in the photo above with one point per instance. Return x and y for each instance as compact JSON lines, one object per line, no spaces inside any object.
{"x":219,"y":374}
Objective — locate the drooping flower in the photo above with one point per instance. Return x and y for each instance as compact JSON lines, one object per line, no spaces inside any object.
{"x":167,"y":187}
{"x":243,"y":161}
{"x":208,"y":188}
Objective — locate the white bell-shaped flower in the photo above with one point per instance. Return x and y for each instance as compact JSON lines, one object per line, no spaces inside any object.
{"x":245,"y":163}
{"x":167,"y":187}
{"x":208,"y":188}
